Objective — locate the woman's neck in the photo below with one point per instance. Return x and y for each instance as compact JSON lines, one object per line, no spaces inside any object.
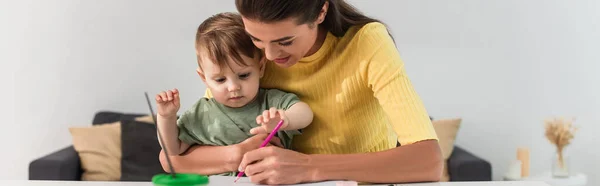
{"x":321,"y":35}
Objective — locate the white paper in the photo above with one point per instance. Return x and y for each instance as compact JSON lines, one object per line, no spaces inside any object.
{"x":244,"y":181}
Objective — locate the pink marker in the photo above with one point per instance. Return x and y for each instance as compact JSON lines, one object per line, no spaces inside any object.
{"x":264,"y":144}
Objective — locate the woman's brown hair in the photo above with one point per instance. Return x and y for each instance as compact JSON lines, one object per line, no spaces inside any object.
{"x":222,"y":38}
{"x":340,"y":15}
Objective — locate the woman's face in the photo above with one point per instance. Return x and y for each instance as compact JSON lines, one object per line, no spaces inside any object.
{"x":283,"y":42}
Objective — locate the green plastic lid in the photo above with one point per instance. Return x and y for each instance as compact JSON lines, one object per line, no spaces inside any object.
{"x":181,"y":179}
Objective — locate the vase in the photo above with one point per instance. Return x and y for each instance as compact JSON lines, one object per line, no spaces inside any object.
{"x":560,"y":165}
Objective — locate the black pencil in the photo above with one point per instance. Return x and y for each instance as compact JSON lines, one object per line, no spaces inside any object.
{"x":160,"y":136}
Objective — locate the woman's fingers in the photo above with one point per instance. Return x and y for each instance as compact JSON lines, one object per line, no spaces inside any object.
{"x":255,"y":168}
{"x":255,"y":155}
{"x":274,"y":166}
{"x":260,"y":177}
{"x":276,"y":141}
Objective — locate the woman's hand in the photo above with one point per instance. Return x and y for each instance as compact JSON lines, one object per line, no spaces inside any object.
{"x":273,"y":166}
{"x":248,"y":145}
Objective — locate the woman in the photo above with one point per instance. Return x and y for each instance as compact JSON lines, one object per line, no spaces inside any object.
{"x":346,"y":67}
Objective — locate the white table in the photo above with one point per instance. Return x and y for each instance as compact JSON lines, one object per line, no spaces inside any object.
{"x":228,"y":180}
{"x":577,"y":179}
{"x":215,"y":183}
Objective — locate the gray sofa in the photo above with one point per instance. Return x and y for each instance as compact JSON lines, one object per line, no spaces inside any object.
{"x":64,"y":164}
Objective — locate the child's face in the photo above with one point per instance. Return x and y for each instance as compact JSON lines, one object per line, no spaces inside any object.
{"x":232,"y":88}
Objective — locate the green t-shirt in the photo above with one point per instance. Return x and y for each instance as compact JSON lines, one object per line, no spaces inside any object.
{"x":208,"y":122}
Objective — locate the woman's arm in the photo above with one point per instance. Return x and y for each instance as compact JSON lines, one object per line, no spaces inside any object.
{"x":419,"y":157}
{"x":418,"y":162}
{"x":386,"y":75}
{"x":205,"y":160}
{"x":209,"y":160}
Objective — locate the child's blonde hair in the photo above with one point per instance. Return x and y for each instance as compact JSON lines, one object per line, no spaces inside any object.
{"x":222,"y":38}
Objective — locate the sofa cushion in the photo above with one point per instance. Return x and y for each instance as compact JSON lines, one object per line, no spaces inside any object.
{"x":145,"y":119}
{"x":110,"y":117}
{"x":140,"y":150}
{"x":99,"y":150}
{"x":446,"y":130}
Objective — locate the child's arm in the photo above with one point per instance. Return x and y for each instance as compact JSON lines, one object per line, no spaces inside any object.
{"x":168,"y":105}
{"x":170,"y":135}
{"x":298,"y":116}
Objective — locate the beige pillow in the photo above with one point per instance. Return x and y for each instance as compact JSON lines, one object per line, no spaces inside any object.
{"x":446,"y":130}
{"x":145,"y":119}
{"x":99,"y":149}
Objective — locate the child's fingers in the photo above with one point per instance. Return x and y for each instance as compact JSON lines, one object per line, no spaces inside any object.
{"x":170,"y":95}
{"x":253,"y":131}
{"x":176,"y":97}
{"x":175,"y":91}
{"x":281,"y":113}
{"x":272,"y":112}
{"x":266,"y":116}
{"x":259,"y":120}
{"x":282,"y":117}
{"x":163,"y":96}
{"x":258,"y":130}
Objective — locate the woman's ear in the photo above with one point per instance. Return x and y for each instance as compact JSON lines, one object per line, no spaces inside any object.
{"x":323,"y":13}
{"x":201,"y":74}
{"x":263,"y":63}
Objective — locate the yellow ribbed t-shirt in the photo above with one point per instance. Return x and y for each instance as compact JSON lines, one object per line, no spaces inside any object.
{"x":357,"y":87}
{"x":359,"y":92}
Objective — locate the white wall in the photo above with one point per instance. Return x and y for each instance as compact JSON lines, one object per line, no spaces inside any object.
{"x":71,"y":59}
{"x":502,"y":66}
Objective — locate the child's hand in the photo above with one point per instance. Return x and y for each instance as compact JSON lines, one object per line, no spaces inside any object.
{"x":269,"y":120}
{"x":168,"y":103}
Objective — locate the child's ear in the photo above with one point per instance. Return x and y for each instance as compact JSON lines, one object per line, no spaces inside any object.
{"x":201,"y":74}
{"x":263,"y":63}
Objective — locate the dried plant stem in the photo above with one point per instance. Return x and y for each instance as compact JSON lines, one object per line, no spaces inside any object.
{"x":560,"y":132}
{"x":561,"y":162}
